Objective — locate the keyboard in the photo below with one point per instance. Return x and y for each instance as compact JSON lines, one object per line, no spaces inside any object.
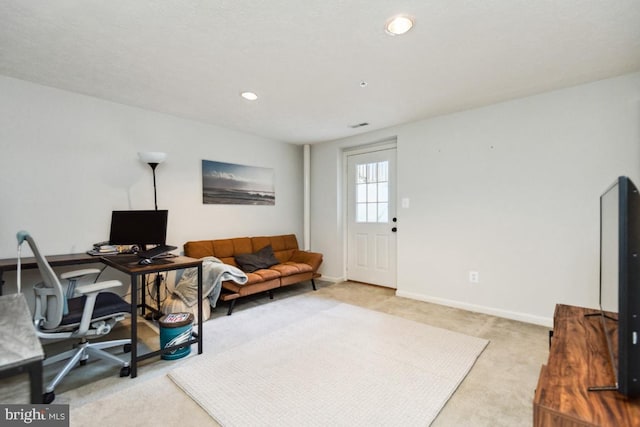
{"x":157,"y":251}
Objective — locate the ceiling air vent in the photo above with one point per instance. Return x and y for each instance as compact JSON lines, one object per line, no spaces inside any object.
{"x":359,"y":125}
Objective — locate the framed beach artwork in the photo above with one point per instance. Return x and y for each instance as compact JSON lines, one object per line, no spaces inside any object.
{"x":231,"y":184}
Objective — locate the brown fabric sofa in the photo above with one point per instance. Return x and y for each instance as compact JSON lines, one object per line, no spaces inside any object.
{"x":295,"y":265}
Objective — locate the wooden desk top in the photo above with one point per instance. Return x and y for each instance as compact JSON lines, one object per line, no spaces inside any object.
{"x":10,"y":264}
{"x":129,"y":263}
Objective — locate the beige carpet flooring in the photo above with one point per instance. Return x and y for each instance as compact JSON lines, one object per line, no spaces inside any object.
{"x":497,"y":392}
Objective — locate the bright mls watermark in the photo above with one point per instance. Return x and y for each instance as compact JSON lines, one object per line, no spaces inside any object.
{"x":34,"y":415}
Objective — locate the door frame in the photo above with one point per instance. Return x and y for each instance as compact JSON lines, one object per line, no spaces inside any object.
{"x":386,"y":144}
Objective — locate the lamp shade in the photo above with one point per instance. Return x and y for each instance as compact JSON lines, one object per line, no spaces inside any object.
{"x":152,"y":156}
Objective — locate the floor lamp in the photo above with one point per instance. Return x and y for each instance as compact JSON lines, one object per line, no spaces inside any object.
{"x":153,"y":159}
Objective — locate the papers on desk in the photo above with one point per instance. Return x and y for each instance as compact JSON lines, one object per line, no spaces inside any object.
{"x":104,"y":250}
{"x":98,"y":252}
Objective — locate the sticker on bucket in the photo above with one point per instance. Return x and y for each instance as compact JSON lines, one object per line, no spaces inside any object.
{"x":178,"y":339}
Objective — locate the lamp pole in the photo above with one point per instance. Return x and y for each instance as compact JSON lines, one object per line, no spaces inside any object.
{"x":153,"y":159}
{"x":155,"y":195}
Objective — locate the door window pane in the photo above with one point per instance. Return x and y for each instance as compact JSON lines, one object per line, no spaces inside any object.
{"x":371,"y":172}
{"x":383,"y":172}
{"x":372,"y":212}
{"x":372,"y":193}
{"x":361,"y":193}
{"x":383,"y":212}
{"x":361,"y":174}
{"x":383,"y":192}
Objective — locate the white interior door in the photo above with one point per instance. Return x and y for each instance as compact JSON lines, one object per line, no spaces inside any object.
{"x":371,"y":217}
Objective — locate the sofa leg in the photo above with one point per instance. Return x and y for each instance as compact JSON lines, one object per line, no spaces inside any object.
{"x":231,"y":305}
{"x":313,"y":285}
{"x":270,"y":294}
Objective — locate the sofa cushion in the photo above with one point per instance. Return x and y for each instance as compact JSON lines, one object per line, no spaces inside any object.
{"x":262,"y":275}
{"x":264,"y":258}
{"x":289,"y":268}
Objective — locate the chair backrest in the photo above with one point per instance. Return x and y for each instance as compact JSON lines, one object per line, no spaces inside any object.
{"x":50,"y":298}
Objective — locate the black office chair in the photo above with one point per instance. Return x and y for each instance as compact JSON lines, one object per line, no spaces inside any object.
{"x":90,"y":315}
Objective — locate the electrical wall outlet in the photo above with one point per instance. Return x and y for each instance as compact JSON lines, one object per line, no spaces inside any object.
{"x":474,"y":277}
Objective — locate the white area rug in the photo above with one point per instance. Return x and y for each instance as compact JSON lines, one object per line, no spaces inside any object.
{"x":342,"y":366}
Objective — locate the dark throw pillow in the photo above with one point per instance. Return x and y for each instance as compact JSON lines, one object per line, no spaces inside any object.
{"x":264,"y":258}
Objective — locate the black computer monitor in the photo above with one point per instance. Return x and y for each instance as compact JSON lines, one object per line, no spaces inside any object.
{"x":138,"y":228}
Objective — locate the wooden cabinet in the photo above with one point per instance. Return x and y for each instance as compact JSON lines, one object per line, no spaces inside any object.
{"x":578,"y":359}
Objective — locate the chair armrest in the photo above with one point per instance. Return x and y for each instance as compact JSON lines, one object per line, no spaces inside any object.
{"x":97,"y":287}
{"x":72,"y":277}
{"x":79,"y":273}
{"x":314,"y":259}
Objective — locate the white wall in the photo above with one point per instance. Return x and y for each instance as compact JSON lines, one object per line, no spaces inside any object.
{"x":68,"y":160}
{"x":509,"y":190}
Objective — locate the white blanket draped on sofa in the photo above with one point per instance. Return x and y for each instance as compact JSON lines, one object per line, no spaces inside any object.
{"x":214,"y":272}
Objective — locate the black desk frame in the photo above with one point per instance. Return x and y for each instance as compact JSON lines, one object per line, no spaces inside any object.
{"x":137,"y":273}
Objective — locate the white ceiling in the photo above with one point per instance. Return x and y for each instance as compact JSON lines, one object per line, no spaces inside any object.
{"x":306,"y":58}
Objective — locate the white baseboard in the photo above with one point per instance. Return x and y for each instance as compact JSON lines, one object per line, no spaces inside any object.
{"x":522,"y":317}
{"x":332,"y":279}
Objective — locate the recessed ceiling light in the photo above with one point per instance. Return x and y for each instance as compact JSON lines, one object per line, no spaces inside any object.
{"x":399,"y":25}
{"x":249,"y":96}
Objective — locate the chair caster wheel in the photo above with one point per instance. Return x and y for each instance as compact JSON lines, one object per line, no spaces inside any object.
{"x":48,"y":397}
{"x":127,"y":348}
{"x":125,"y":371}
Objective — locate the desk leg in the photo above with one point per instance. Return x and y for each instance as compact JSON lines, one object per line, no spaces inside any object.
{"x":35,"y":381}
{"x":200,"y":308}
{"x":134,"y":325}
{"x":143,"y":296}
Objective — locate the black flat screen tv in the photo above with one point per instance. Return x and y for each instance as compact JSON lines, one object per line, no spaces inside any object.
{"x":620,"y":282}
{"x":138,"y":228}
